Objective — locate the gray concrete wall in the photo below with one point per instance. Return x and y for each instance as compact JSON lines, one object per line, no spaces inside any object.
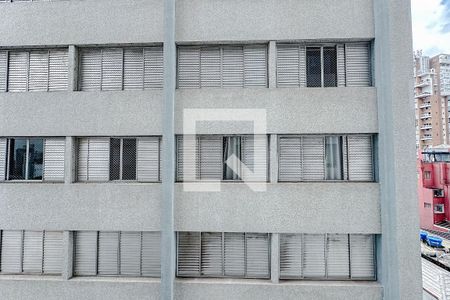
{"x":236,"y":20}
{"x":217,"y":289}
{"x":296,"y":207}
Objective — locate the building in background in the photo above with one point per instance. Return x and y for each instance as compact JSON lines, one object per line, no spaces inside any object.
{"x":432,"y":94}
{"x":82,"y":208}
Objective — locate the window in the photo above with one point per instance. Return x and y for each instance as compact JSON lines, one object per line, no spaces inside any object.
{"x":33,"y":70}
{"x":439,"y":193}
{"x":426,"y":205}
{"x":117,"y":253}
{"x":427,"y":174}
{"x":31,"y":252}
{"x":222,"y":66}
{"x":439,"y":208}
{"x":32,"y":159}
{"x":301,"y":65}
{"x":104,"y":159}
{"x":217,"y":157}
{"x":318,"y":158}
{"x":327,"y":256}
{"x":115,"y":69}
{"x":218,"y":254}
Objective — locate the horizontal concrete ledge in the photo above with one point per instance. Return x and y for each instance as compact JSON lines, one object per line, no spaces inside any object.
{"x":121,"y":288}
{"x":288,"y":110}
{"x":81,"y":113}
{"x":299,"y":208}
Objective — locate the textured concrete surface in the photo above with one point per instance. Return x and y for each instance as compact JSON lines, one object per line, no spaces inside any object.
{"x":81,"y":22}
{"x":289,"y":110}
{"x":217,"y":289}
{"x":217,"y":20}
{"x":284,"y":207}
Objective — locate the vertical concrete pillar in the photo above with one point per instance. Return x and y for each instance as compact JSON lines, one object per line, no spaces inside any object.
{"x":69,"y":161}
{"x":168,"y":163}
{"x":273,"y":158}
{"x":272,"y":59}
{"x":398,"y":247}
{"x":67,"y":268}
{"x":275,"y":258}
{"x":73,"y":68}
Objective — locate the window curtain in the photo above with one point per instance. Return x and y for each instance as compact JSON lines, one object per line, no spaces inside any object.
{"x":333,"y":157}
{"x":232,"y":145}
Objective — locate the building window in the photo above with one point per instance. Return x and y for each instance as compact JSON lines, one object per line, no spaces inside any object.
{"x":222,"y":66}
{"x":318,"y":158}
{"x":218,"y":254}
{"x":327,"y":256}
{"x":301,"y":65}
{"x":427,"y":174}
{"x":104,"y":159}
{"x":438,"y":193}
{"x":43,"y":70}
{"x":115,"y":69}
{"x":426,"y":205}
{"x":31,"y":252}
{"x":32,"y":159}
{"x":117,"y":253}
{"x":217,"y":157}
{"x":439,"y":208}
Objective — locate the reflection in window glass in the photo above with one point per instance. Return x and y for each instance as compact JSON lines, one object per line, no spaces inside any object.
{"x":333,"y":158}
{"x":17,"y":159}
{"x":232,"y":146}
{"x":329,"y":67}
{"x":114,"y":167}
{"x":313,"y":67}
{"x":129,"y":159}
{"x":35,"y":159}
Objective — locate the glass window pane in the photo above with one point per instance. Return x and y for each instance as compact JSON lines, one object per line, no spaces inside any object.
{"x":129,"y":159}
{"x":232,"y":146}
{"x":17,"y":158}
{"x":329,"y":66}
{"x":114,"y":160}
{"x":313,"y":67}
{"x":35,"y":159}
{"x":333,"y":159}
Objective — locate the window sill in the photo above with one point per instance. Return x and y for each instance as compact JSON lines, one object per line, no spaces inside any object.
{"x":115,"y":279}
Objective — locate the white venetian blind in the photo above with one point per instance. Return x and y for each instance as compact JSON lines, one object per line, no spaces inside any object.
{"x":32,"y":251}
{"x":254,"y":156}
{"x":53,"y":252}
{"x":222,"y":66}
{"x":148,"y":159}
{"x":54,"y":149}
{"x":3,"y":143}
{"x":211,"y":253}
{"x":362,"y":256}
{"x":108,"y":253}
{"x":11,"y":254}
{"x":291,"y":263}
{"x":360,"y":157}
{"x":234,"y":254}
{"x":291,"y":65}
{"x":3,"y":69}
{"x":93,"y":159}
{"x":189,"y":249}
{"x":128,"y":68}
{"x":358,"y":65}
{"x":257,"y":255}
{"x":85,"y":254}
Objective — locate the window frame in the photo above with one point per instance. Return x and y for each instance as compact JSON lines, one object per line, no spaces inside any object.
{"x":27,"y":153}
{"x":322,"y":66}
{"x":121,"y":159}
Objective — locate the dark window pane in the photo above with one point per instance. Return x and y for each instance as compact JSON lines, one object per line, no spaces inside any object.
{"x":329,"y":66}
{"x":232,"y":146}
{"x":129,"y":159}
{"x":114,"y":160}
{"x":313,"y":67}
{"x":36,"y":159}
{"x":333,"y":158}
{"x":17,"y":158}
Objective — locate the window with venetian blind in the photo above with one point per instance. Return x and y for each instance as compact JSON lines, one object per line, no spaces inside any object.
{"x":319,"y":158}
{"x":32,"y":159}
{"x":327,"y":65}
{"x":233,"y":66}
{"x":124,"y":68}
{"x":127,"y":159}
{"x":223,"y":254}
{"x":117,"y":253}
{"x":31,"y":252}
{"x":40,"y":70}
{"x":327,"y":256}
{"x":219,"y":157}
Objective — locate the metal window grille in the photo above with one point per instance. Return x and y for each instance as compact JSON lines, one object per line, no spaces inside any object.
{"x":203,"y":157}
{"x":319,"y":158}
{"x":34,"y":70}
{"x":117,"y":253}
{"x":31,"y":252}
{"x":222,"y":66}
{"x":223,"y":254}
{"x":327,"y":256}
{"x":122,"y":159}
{"x":300,"y":65}
{"x":126,"y":68}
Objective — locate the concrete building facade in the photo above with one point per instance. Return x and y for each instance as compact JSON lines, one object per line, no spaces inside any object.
{"x":86,"y":104}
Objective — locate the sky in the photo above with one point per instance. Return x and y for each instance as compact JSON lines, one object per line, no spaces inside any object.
{"x":431,"y":26}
